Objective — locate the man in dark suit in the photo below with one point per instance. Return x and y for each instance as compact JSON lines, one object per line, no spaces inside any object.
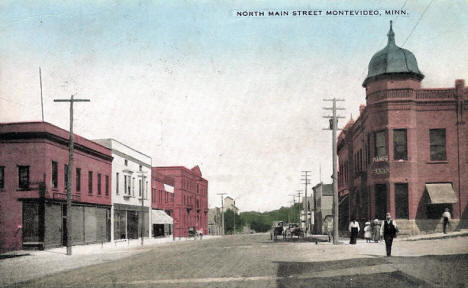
{"x":388,"y":230}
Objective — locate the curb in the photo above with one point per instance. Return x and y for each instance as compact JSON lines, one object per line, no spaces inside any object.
{"x":465,"y":234}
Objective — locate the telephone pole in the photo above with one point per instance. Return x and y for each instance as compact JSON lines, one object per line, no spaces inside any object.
{"x":70,"y":171}
{"x":333,"y":123}
{"x":299,"y":194}
{"x":306,"y":180}
{"x":294,"y":204}
{"x":222,"y":209}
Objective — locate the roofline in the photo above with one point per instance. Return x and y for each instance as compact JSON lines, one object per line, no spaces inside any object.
{"x":113,"y":139}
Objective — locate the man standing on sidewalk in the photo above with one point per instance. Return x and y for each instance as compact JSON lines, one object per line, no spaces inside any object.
{"x":388,"y":230}
{"x":446,"y":217}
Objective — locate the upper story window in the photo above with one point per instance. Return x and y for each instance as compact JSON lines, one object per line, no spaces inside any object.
{"x":380,"y":144}
{"x":90,"y":182}
{"x":78,"y":179}
{"x":23,"y":177}
{"x":99,"y":184}
{"x":2,"y":177}
{"x":140,"y":168}
{"x":65,"y":175}
{"x":107,"y":185}
{"x":126,"y":162}
{"x":117,"y":183}
{"x":400,"y":150}
{"x":54,"y":174}
{"x":437,"y":144}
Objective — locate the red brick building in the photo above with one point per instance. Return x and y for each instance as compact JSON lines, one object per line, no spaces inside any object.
{"x":33,"y":173}
{"x":191,"y":198}
{"x":407,"y":152}
{"x":162,"y":203}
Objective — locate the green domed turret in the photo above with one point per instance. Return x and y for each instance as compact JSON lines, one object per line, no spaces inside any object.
{"x":392,"y":60}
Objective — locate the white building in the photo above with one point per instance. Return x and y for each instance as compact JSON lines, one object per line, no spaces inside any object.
{"x":230,"y":204}
{"x":131,"y":182}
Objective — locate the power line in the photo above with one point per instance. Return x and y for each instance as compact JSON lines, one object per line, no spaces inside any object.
{"x":419,"y":20}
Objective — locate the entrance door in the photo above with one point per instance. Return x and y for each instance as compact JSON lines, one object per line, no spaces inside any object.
{"x":380,"y":201}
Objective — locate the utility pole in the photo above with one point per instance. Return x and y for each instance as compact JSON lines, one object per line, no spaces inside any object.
{"x":173,"y":215}
{"x":306,"y":180}
{"x":333,"y":122}
{"x":222,"y":209}
{"x":142,"y":175}
{"x":70,"y":171}
{"x":294,"y":204}
{"x":299,"y":194}
{"x":42,"y":102}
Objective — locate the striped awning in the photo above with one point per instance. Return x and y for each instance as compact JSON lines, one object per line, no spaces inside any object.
{"x":160,"y":217}
{"x":441,"y":193}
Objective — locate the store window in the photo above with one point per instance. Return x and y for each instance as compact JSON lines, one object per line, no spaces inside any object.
{"x":2,"y":177}
{"x":401,"y":200}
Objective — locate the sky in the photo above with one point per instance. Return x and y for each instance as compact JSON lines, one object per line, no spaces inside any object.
{"x":191,"y":83}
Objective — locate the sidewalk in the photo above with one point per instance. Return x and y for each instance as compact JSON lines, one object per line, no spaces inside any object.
{"x":23,"y":265}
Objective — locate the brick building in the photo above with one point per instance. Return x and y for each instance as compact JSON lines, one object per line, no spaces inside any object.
{"x":191,"y":199}
{"x":33,"y":175}
{"x":407,"y":152}
{"x":162,"y":203}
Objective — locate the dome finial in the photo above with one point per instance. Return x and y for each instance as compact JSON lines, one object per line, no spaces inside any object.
{"x":391,"y":35}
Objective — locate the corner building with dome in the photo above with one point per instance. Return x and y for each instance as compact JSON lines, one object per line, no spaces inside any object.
{"x":407,"y":152}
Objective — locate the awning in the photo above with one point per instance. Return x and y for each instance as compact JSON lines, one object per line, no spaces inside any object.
{"x":441,"y":193}
{"x":160,"y":217}
{"x":169,"y":188}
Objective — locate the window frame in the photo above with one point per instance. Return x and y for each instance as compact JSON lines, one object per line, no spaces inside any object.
{"x":90,"y":182}
{"x":396,"y":145}
{"x":432,"y":145}
{"x":78,"y":179}
{"x":54,"y":178}
{"x":23,"y":185}
{"x":376,"y":148}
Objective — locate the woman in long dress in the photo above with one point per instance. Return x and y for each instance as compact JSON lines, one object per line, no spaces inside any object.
{"x":376,"y":230}
{"x":354,"y":230}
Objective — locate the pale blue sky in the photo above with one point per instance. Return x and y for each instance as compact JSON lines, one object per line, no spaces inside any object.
{"x":189,"y":83}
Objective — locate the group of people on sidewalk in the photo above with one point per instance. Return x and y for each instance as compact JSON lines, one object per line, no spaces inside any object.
{"x":374,"y":231}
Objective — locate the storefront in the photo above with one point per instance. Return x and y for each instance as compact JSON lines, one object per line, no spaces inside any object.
{"x":162,"y":223}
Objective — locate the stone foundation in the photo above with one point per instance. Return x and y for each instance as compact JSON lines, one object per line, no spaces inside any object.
{"x":412,"y":227}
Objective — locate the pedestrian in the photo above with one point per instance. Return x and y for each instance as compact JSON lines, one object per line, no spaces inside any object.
{"x":446,"y":218}
{"x":354,"y":230}
{"x":376,"y":230}
{"x":388,"y":231}
{"x":368,"y":232}
{"x":329,"y":227}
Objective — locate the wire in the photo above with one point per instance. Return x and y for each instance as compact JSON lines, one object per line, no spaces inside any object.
{"x":419,"y":20}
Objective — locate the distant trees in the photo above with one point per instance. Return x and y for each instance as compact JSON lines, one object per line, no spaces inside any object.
{"x":229,"y":222}
{"x":262,"y":221}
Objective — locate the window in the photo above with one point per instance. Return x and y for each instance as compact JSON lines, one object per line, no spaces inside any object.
{"x":90,"y":182}
{"x":125,"y":184}
{"x":380,"y":145}
{"x":65,"y":175}
{"x":54,"y":174}
{"x":78,"y":179}
{"x":400,"y":150}
{"x":437,"y":142}
{"x":126,"y":162}
{"x":401,"y":200}
{"x":380,"y":201}
{"x":23,"y":177}
{"x":368,"y":149}
{"x":140,"y":168}
{"x":2,"y":177}
{"x":117,"y":183}
{"x":133,"y":184}
{"x":107,"y":185}
{"x":140,"y":187}
{"x":99,"y":184}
